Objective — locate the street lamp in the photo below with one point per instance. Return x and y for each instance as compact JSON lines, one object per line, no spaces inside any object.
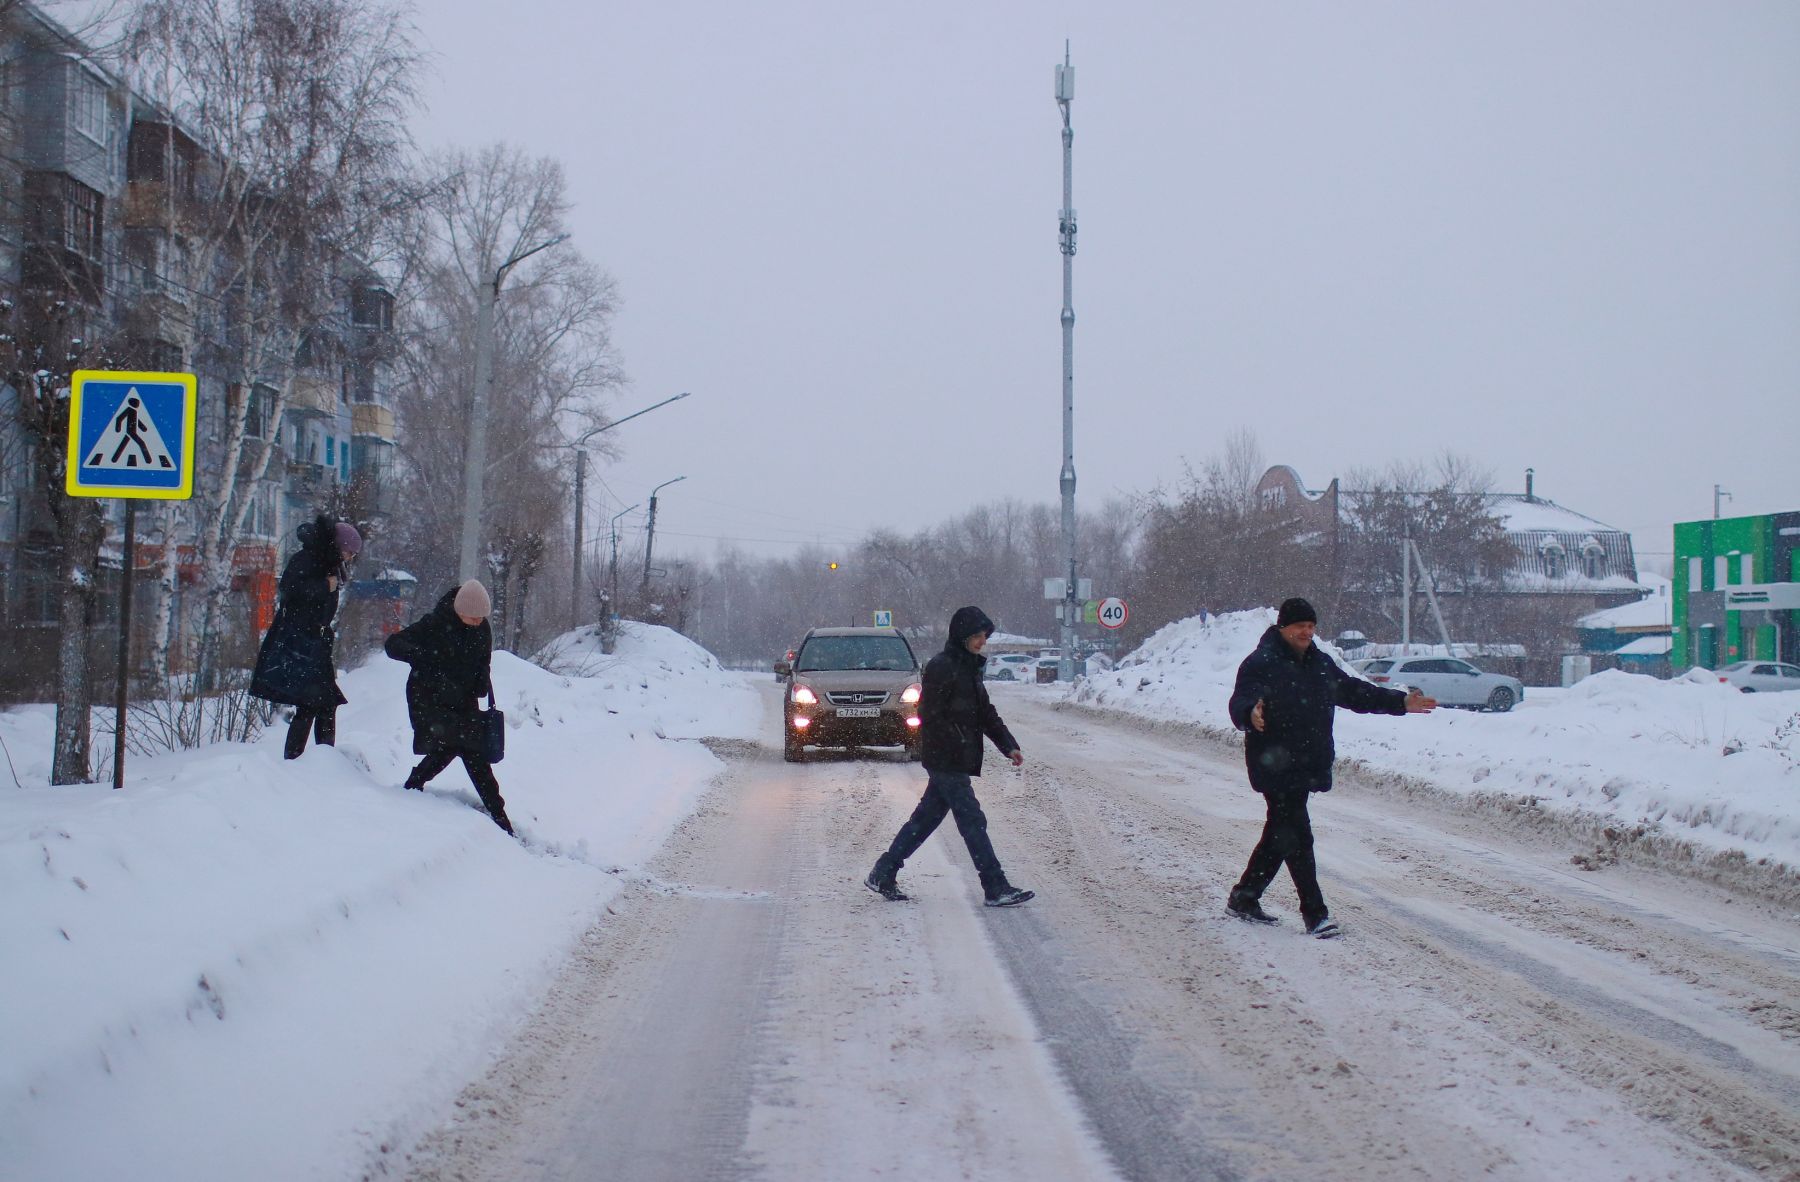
{"x":650,"y":537}
{"x":581,"y":489}
{"x":475,"y":451}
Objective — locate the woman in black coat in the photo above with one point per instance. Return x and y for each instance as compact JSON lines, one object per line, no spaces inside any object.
{"x":451,"y":651}
{"x":294,"y":667}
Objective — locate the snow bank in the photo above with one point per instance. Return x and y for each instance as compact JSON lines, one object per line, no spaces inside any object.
{"x":1689,"y":758}
{"x":246,"y":967}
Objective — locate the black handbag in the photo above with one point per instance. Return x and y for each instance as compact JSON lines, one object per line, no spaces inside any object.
{"x":493,"y":732}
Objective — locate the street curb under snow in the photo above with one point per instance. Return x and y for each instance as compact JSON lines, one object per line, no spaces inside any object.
{"x":1603,"y":840}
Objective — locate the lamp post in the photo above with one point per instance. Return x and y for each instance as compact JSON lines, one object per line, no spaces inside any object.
{"x":475,"y":450}
{"x":650,"y":534}
{"x":580,"y":446}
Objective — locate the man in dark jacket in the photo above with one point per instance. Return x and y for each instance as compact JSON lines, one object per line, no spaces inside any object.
{"x":294,"y":666}
{"x":1286,"y":698}
{"x":451,"y":651}
{"x":954,"y":714}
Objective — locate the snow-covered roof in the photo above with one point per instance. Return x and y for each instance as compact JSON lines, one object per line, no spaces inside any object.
{"x":1652,"y":611}
{"x":1012,"y":641}
{"x":1647,"y":646}
{"x":391,"y":575}
{"x":1519,"y":515}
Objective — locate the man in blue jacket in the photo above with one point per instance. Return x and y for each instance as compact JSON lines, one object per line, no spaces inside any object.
{"x":1286,"y":698}
{"x":954,"y":714}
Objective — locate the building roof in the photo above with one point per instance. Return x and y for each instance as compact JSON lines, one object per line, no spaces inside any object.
{"x":1652,"y":611}
{"x":1647,"y":646}
{"x":1519,"y":515}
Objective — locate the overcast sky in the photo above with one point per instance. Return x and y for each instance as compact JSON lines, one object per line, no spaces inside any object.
{"x":1557,"y":235}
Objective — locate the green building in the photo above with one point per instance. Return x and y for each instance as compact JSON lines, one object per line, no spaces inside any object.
{"x":1737,"y":591}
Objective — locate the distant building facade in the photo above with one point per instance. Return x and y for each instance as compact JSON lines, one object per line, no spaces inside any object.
{"x":1736,"y":593}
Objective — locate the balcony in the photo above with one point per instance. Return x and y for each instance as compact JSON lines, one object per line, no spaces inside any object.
{"x":314,"y":393}
{"x":149,"y":205}
{"x":373,"y":420}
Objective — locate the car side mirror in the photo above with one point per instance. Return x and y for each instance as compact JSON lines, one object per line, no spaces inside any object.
{"x":783,"y":668}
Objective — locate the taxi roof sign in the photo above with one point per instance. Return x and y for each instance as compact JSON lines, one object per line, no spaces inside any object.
{"x":131,"y":435}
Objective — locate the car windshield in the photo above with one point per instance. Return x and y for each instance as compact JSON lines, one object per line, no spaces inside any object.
{"x":825,"y":653}
{"x":1735,"y":666}
{"x":1378,"y":666}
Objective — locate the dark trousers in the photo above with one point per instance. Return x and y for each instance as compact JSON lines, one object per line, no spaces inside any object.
{"x":1286,"y":837}
{"x":322,"y":724}
{"x":947,"y":792}
{"x":481,"y":774}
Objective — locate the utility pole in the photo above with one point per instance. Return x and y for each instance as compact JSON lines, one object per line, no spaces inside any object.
{"x":580,"y":446}
{"x":612,"y":599}
{"x":1718,"y":495}
{"x":487,"y":297}
{"x":650,"y":534}
{"x":1065,"y":94}
{"x":1406,"y":588}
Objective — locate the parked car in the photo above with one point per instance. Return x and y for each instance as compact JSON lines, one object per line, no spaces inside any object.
{"x":1009,"y":667}
{"x":1761,"y":677}
{"x":1450,"y":681}
{"x":850,"y":687}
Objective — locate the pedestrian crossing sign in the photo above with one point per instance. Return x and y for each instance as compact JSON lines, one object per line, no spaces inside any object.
{"x":131,"y":435}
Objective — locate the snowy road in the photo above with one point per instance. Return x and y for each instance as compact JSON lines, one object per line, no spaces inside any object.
{"x":750,"y":1012}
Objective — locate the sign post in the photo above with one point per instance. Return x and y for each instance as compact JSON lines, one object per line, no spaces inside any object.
{"x":131,"y":438}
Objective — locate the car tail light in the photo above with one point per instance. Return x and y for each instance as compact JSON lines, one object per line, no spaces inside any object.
{"x":911,"y":693}
{"x":1379,"y":678}
{"x":805,"y":697}
{"x":801,"y":722}
{"x":913,"y":721}
{"x":1725,"y":681}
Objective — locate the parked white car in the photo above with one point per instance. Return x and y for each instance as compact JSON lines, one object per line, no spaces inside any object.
{"x":1450,"y":681}
{"x":1761,"y":677}
{"x":1010,"y":667}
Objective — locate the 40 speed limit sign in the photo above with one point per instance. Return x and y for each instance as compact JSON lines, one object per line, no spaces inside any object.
{"x":1113,"y":613}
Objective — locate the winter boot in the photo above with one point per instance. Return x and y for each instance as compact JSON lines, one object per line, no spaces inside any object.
{"x":1324,"y":927}
{"x":881,"y":881}
{"x":1009,"y":896}
{"x":1249,"y":909}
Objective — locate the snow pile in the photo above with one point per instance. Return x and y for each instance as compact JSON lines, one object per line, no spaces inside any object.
{"x":1689,"y":758}
{"x":241,"y":960}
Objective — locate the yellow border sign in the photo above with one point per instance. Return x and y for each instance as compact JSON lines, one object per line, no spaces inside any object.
{"x":131,"y":435}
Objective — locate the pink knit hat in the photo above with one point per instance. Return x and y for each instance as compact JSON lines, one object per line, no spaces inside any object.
{"x":472,"y":600}
{"x":348,"y":540}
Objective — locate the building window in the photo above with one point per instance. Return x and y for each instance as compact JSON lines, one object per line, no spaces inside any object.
{"x":1696,"y":576}
{"x":372,"y":307}
{"x":87,"y":104}
{"x":1593,"y":559}
{"x":1721,"y":572}
{"x":330,"y":452}
{"x":1553,"y":555}
{"x":71,"y":215}
{"x":1747,"y":568}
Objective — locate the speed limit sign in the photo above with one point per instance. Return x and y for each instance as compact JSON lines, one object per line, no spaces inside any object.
{"x":1113,"y":613}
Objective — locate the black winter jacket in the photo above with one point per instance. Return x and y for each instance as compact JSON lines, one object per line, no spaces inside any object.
{"x":954,"y":710}
{"x":451,"y":668}
{"x":294,"y":665}
{"x":1300,"y":694}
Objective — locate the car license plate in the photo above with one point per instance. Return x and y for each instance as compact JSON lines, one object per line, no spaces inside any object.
{"x":859,"y":712}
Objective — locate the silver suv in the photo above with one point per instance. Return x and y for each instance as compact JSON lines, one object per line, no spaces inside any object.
{"x":850,"y":687}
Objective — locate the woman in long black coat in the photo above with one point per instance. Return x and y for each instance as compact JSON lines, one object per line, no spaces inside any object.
{"x":451,"y":650}
{"x":295,"y":667}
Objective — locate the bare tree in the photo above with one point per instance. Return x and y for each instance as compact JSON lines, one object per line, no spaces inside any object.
{"x":284,"y":142}
{"x":554,"y":365}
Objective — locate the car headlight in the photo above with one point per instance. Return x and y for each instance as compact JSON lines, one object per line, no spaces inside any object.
{"x":911,"y":693}
{"x":805,"y":697}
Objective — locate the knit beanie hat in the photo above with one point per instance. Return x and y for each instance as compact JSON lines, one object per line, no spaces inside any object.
{"x":472,"y":600}
{"x":348,"y":539}
{"x":1295,"y":611}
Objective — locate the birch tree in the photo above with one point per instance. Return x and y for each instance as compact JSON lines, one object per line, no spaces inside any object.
{"x":297,"y":109}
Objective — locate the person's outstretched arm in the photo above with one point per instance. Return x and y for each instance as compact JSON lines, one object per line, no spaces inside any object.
{"x":1365,"y":697}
